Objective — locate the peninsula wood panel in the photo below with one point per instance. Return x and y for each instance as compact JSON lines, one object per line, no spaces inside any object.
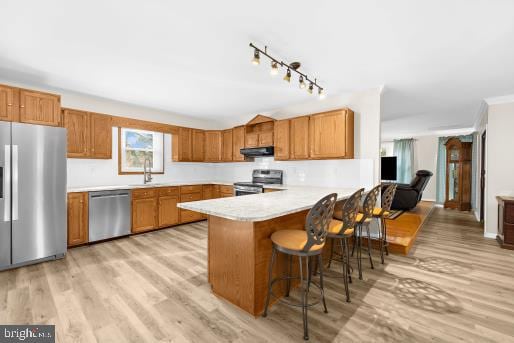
{"x":213,"y":144}
{"x":101,"y":136}
{"x":78,"y":219}
{"x":9,"y":103}
{"x":227,"y":140}
{"x":282,"y":139}
{"x":238,"y":143}
{"x":299,"y":138}
{"x":198,"y":140}
{"x":331,"y":134}
{"x":78,"y":132}
{"x":40,"y":108}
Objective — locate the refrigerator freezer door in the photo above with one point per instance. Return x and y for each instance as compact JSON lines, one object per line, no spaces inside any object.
{"x":5,"y":198}
{"x":39,"y":192}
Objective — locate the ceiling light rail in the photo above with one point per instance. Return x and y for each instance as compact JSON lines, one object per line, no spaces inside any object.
{"x":293,"y":67}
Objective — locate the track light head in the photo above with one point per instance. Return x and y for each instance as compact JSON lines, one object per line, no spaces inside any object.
{"x":274,"y":68}
{"x":287,"y":77}
{"x":321,"y":94}
{"x":256,"y":57}
{"x":311,"y":87}
{"x":302,"y":83}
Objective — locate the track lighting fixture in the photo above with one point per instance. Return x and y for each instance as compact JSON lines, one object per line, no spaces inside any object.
{"x":292,"y":67}
{"x":287,"y":77}
{"x":256,"y":57}
{"x":274,"y":68}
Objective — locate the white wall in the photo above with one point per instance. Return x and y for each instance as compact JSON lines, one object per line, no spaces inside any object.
{"x":499,"y":160}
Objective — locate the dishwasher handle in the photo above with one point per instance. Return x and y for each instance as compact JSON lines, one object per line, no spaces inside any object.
{"x":109,"y":195}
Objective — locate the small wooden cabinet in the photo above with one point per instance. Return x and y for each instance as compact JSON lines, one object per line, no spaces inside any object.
{"x":331,"y":134}
{"x":198,"y":140}
{"x":144,"y":210}
{"x":9,"y":103}
{"x":168,"y":211}
{"x":458,"y":174}
{"x":226,"y":191}
{"x":187,"y":194}
{"x":40,"y":108}
{"x":259,"y":132}
{"x":282,"y":138}
{"x":227,"y":145}
{"x":299,"y":133}
{"x":213,"y":146}
{"x":89,"y":134}
{"x":181,"y":145}
{"x":505,"y":222}
{"x":238,"y":143}
{"x":78,"y":219}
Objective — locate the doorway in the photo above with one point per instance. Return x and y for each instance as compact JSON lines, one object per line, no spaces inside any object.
{"x":482,"y":178}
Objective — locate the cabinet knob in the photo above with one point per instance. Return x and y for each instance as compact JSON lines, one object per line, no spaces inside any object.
{"x":22,"y":106}
{"x":9,"y":104}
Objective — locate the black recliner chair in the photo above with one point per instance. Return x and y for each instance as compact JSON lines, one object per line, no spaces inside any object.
{"x":407,"y":196}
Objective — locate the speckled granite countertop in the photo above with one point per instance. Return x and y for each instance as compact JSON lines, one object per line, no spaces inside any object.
{"x":264,"y":206}
{"x":149,"y":185}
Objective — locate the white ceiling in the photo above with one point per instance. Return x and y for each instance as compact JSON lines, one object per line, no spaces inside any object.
{"x":437,"y":59}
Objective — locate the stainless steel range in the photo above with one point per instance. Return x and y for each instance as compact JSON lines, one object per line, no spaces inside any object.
{"x":260,"y":177}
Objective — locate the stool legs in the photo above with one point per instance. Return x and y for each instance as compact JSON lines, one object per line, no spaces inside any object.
{"x":304,"y":299}
{"x":288,"y":282}
{"x":320,"y":266}
{"x":359,"y":250}
{"x":270,"y":275}
{"x":381,"y":239}
{"x":369,"y":246}
{"x":331,"y":254}
{"x":346,"y":267}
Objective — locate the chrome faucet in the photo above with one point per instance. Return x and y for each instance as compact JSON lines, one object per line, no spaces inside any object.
{"x":147,"y":171}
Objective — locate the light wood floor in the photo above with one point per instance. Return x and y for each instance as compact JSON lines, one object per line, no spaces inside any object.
{"x":454,"y":286}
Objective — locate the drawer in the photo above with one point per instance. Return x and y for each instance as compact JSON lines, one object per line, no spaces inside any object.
{"x":187,"y":216}
{"x":168,"y":191}
{"x":144,"y":193}
{"x":208,"y":192}
{"x":226,"y":195}
{"x":190,"y":189}
{"x":190,"y":197}
{"x":226,"y":189}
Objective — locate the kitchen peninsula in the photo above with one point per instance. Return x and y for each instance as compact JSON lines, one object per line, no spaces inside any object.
{"x":239,"y":247}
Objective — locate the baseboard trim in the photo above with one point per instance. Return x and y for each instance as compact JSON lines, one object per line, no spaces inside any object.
{"x":490,"y":235}
{"x":423,"y":199}
{"x":438,"y":205}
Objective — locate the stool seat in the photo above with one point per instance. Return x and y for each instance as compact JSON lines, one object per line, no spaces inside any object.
{"x":335,"y":227}
{"x":293,"y":240}
{"x":377,"y":212}
{"x":358,"y":219}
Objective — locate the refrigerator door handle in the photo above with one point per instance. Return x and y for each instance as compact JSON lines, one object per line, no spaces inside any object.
{"x":14,"y":182}
{"x":7,"y":183}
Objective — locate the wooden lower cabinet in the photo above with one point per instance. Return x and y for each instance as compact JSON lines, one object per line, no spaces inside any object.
{"x":168,"y":210}
{"x":78,"y":219}
{"x":190,"y":193}
{"x":226,"y":191}
{"x":144,"y":214}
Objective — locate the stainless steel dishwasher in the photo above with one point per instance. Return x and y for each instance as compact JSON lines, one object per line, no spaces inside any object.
{"x":109,"y":214}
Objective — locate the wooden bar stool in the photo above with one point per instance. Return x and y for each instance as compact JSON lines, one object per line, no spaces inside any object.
{"x":382,"y":213}
{"x":308,"y":243}
{"x":340,"y":230}
{"x":364,"y":219}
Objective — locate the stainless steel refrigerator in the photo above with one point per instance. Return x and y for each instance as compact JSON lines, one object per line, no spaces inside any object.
{"x":32,"y":193}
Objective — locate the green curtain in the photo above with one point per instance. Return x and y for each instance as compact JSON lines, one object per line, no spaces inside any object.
{"x":404,"y":152}
{"x":441,"y":167}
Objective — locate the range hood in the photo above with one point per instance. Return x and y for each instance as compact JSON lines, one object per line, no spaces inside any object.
{"x":256,"y":152}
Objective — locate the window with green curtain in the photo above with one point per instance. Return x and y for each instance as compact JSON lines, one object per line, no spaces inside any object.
{"x":404,"y":152}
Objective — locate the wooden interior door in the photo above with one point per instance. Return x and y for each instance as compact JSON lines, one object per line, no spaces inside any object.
{"x":300,"y":138}
{"x":39,"y":108}
{"x":78,"y":219}
{"x":101,"y":136}
{"x":227,"y":145}
{"x":238,"y":143}
{"x":168,"y":210}
{"x":144,"y":214}
{"x":198,"y":138}
{"x":282,"y":139}
{"x":327,"y":135}
{"x":77,"y":126}
{"x":8,"y":103}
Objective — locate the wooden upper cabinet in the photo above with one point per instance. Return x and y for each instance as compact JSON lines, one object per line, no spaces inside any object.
{"x":331,"y":134}
{"x":238,"y":143}
{"x":251,"y":140}
{"x":213,"y":146}
{"x":282,"y":138}
{"x":299,"y":131}
{"x":182,"y":145}
{"x":78,"y":219}
{"x":9,"y":103}
{"x":77,"y":126}
{"x":101,"y":136}
{"x":266,"y":138}
{"x":40,"y":108}
{"x":198,"y":139}
{"x":227,"y":145}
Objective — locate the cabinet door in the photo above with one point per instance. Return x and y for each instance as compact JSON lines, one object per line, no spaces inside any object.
{"x":266,"y":138}
{"x":227,"y":145}
{"x":8,"y":103}
{"x":144,"y":214}
{"x":39,"y":108}
{"x":101,"y":136}
{"x":281,"y":133}
{"x":238,"y":143}
{"x":198,"y":138}
{"x":78,"y":218}
{"x":328,"y":135}
{"x":185,"y":145}
{"x":168,"y":210}
{"x":77,"y":129}
{"x":207,"y":192}
{"x":213,"y":146}
{"x":251,"y":140}
{"x":299,"y":138}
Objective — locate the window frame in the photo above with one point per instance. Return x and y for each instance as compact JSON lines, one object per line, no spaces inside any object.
{"x":120,"y":155}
